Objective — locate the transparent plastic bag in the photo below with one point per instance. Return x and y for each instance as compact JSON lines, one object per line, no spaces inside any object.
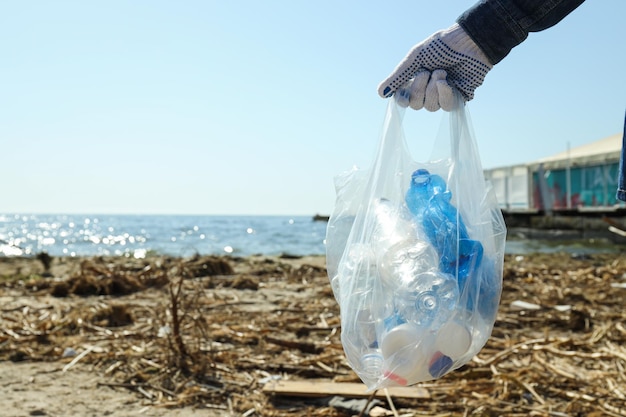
{"x":414,"y":255}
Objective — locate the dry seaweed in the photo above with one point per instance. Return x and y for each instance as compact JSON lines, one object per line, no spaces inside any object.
{"x":211,"y":331}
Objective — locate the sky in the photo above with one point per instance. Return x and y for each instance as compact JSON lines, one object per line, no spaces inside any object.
{"x":252,"y":107}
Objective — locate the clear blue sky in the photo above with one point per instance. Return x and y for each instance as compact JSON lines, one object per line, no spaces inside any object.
{"x":251,"y":107}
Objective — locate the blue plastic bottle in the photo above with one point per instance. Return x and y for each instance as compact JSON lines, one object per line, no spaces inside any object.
{"x":428,"y":199}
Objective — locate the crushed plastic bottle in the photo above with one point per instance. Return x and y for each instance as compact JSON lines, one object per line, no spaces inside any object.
{"x":356,"y":280}
{"x":361,"y":345}
{"x":428,"y":198}
{"x":409,"y":268}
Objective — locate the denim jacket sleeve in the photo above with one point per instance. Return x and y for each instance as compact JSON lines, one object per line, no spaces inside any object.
{"x":497,"y":26}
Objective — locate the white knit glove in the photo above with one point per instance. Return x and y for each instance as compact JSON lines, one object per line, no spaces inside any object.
{"x":425,"y":77}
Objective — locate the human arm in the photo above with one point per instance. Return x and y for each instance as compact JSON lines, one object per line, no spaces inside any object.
{"x":497,"y":26}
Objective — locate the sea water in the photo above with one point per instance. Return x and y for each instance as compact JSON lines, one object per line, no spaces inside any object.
{"x":185,"y":235}
{"x":176,"y":235}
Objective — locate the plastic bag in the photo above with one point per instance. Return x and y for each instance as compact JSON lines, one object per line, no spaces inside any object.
{"x":415,"y":254}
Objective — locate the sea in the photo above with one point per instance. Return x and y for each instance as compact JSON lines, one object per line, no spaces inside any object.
{"x":186,"y":235}
{"x":176,"y":235}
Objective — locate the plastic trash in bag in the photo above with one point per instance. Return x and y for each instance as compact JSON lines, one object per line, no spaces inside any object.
{"x":415,"y":254}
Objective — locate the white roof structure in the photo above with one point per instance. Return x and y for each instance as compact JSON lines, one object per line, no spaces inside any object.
{"x":602,"y":151}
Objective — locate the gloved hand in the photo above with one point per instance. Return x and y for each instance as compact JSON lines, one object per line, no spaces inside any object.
{"x":425,"y":77}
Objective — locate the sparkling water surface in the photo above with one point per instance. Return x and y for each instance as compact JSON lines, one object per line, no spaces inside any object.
{"x":178,"y":235}
{"x":136,"y":235}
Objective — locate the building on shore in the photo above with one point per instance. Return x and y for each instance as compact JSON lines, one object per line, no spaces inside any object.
{"x":572,"y":193}
{"x":579,"y":179}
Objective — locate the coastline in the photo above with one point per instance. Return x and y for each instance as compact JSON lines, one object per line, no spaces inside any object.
{"x":96,"y":335}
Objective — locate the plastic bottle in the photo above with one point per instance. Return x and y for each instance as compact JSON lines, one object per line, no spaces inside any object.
{"x":429,"y":300}
{"x":345,"y":277}
{"x":339,"y":228}
{"x":428,"y":199}
{"x":409,"y":267}
{"x":401,"y":263}
{"x":362,"y":311}
{"x":400,"y":253}
{"x":360,"y":341}
{"x":393,"y":224}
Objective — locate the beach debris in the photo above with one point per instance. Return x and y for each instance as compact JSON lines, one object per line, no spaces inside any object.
{"x":524,"y":305}
{"x":97,"y":277}
{"x":353,"y":406}
{"x":276,"y":350}
{"x":207,"y":266}
{"x":164,"y":331}
{"x":46,"y":261}
{"x":78,"y":357}
{"x":69,"y":352}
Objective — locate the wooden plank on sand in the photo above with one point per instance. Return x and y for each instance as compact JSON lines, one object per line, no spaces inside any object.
{"x":317,"y":388}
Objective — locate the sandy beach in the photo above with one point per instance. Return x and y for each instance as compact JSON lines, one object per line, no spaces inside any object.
{"x":215,"y":336}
